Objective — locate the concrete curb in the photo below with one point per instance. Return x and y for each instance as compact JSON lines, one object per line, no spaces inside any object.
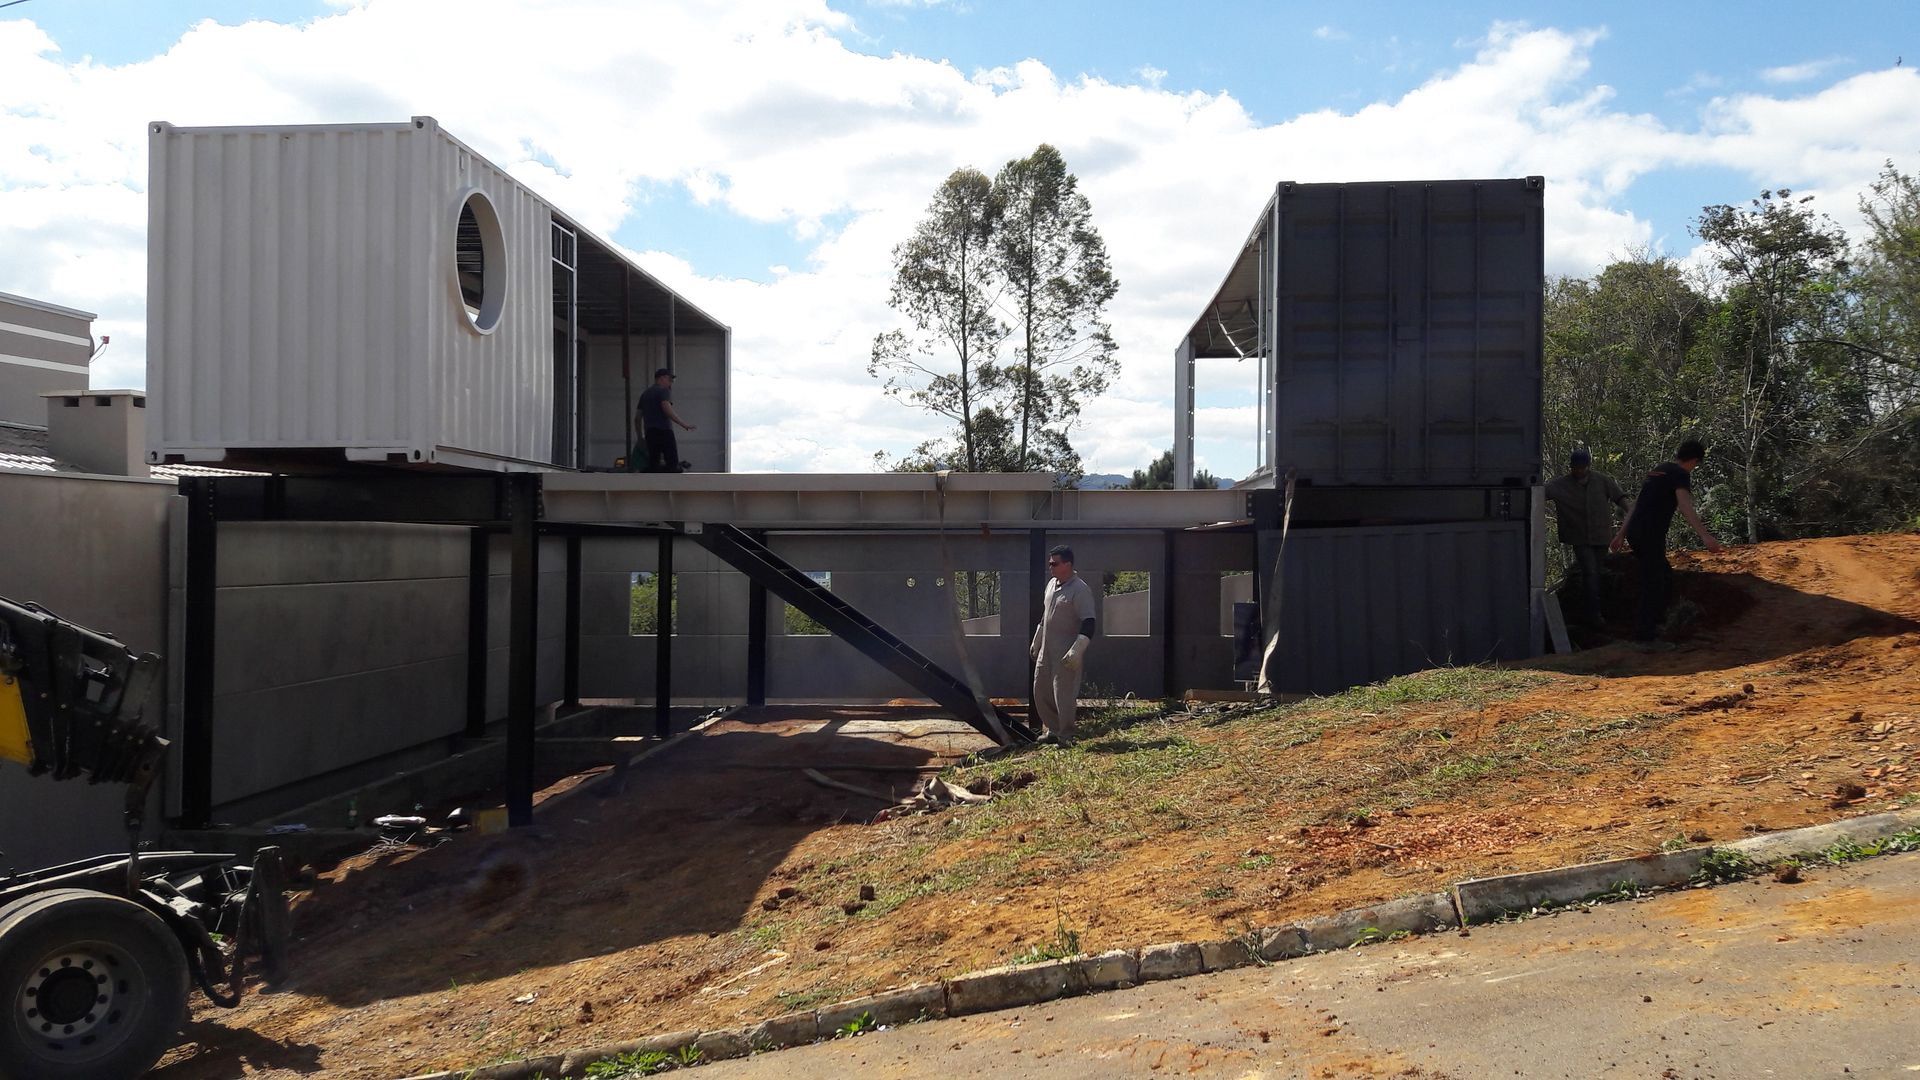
{"x":1772,"y":847}
{"x":1487,"y":899}
{"x":1468,"y":902}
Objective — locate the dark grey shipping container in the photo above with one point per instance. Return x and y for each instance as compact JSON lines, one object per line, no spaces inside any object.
{"x":1398,"y":327}
{"x":1362,"y":604}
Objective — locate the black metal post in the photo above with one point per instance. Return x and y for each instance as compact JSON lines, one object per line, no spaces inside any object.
{"x":757,"y":638}
{"x":1036,"y":600}
{"x":479,"y":578}
{"x":197,"y":657}
{"x":1168,"y":686}
{"x":572,"y":677}
{"x":523,"y":604}
{"x":663,"y":640}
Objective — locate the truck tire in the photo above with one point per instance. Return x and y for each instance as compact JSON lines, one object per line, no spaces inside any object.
{"x":93,"y":987}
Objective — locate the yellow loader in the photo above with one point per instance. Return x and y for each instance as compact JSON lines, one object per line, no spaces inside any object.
{"x":98,"y":957}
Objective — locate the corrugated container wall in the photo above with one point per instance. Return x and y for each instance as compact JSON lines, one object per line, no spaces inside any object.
{"x":1406,"y":331}
{"x":380,"y":290}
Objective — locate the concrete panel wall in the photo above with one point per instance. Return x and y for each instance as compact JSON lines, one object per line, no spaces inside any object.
{"x":95,"y":551}
{"x":550,"y":673}
{"x":872,"y":571}
{"x":710,"y":638}
{"x":336,"y":643}
{"x":1202,"y":654}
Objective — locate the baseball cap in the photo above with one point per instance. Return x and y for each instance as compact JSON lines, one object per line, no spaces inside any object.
{"x":1582,"y":456}
{"x":668,"y":372}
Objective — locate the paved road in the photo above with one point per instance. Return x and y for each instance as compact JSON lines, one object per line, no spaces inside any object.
{"x":1816,"y":979}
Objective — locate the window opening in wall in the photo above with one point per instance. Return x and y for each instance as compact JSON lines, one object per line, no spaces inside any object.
{"x":801,"y":624}
{"x":1128,"y":611}
{"x":1236,"y":586}
{"x":977,"y":594}
{"x":479,"y":259}
{"x":643,"y":604}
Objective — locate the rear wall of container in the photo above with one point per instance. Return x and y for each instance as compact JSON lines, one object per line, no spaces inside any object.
{"x":1407,"y":332}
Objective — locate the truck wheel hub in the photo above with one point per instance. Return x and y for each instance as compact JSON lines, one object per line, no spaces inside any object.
{"x":73,"y":994}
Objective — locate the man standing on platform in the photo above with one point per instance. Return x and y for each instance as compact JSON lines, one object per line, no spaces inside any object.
{"x":1060,"y":647}
{"x":662,"y":450}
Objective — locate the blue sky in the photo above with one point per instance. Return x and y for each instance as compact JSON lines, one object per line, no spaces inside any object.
{"x":1278,"y":59}
{"x":670,"y":127}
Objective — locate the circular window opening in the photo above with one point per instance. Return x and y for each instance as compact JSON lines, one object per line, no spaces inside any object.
{"x":480,"y":265}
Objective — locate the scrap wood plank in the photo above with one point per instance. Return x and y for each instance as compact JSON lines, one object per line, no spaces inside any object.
{"x":1557,"y":625}
{"x":824,"y":780}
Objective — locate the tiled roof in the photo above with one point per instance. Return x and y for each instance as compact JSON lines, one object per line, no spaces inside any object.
{"x":25,"y":448}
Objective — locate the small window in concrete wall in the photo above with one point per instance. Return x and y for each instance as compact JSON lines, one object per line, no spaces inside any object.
{"x":977,"y":594}
{"x":801,"y":624}
{"x":643,"y":605}
{"x":1236,"y":586}
{"x":1127,"y":611}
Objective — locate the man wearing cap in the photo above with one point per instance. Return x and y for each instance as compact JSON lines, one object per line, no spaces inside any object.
{"x":1583,"y":502}
{"x":656,"y":426}
{"x":1059,"y":647}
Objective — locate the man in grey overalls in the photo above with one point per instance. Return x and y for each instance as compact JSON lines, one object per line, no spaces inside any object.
{"x":1059,"y":647}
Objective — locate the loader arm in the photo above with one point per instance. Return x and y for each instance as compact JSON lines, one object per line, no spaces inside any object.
{"x":72,"y":704}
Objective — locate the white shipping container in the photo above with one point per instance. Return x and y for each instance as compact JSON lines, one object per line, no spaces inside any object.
{"x":378,"y":291}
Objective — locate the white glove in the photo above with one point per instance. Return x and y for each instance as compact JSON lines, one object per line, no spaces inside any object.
{"x":1071,"y":659}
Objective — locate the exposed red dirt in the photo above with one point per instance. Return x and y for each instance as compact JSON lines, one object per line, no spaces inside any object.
{"x":659,"y":907}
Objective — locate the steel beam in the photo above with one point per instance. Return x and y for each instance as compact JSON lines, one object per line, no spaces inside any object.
{"x":1036,"y":607}
{"x":1168,"y":685}
{"x":454,"y":499}
{"x":571,"y":694}
{"x":523,"y":606}
{"x":663,"y":640}
{"x":874,"y":501}
{"x":757,"y":639}
{"x":479,"y":578}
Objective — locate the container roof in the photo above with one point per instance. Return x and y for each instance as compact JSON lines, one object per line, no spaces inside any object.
{"x":1229,"y":326}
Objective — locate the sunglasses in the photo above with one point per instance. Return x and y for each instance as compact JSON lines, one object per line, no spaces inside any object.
{"x":1055,"y":562}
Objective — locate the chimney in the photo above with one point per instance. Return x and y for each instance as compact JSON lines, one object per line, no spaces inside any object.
{"x":99,"y":431}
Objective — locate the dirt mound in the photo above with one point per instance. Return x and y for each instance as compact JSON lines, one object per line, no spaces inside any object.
{"x":721,"y":886}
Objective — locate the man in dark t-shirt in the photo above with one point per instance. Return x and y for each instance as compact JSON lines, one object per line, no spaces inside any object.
{"x":658,"y":448}
{"x":1667,"y":488}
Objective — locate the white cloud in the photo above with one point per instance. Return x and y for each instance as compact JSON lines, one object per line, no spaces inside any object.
{"x":759,"y":108}
{"x":1331,"y":33}
{"x":1794,"y":73}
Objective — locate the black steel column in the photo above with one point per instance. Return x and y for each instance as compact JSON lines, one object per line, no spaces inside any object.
{"x":197,"y":657}
{"x":479,"y":577}
{"x":757,"y":638}
{"x":572,"y":689}
{"x":523,"y":608}
{"x":1169,"y":688}
{"x":1036,"y":600}
{"x":663,"y":640}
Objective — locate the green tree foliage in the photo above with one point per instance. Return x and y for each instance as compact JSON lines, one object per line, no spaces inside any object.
{"x":1159,"y":476}
{"x":1059,"y":283}
{"x":1016,"y":257}
{"x":643,"y":605}
{"x":946,"y":284}
{"x":1790,"y":353}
